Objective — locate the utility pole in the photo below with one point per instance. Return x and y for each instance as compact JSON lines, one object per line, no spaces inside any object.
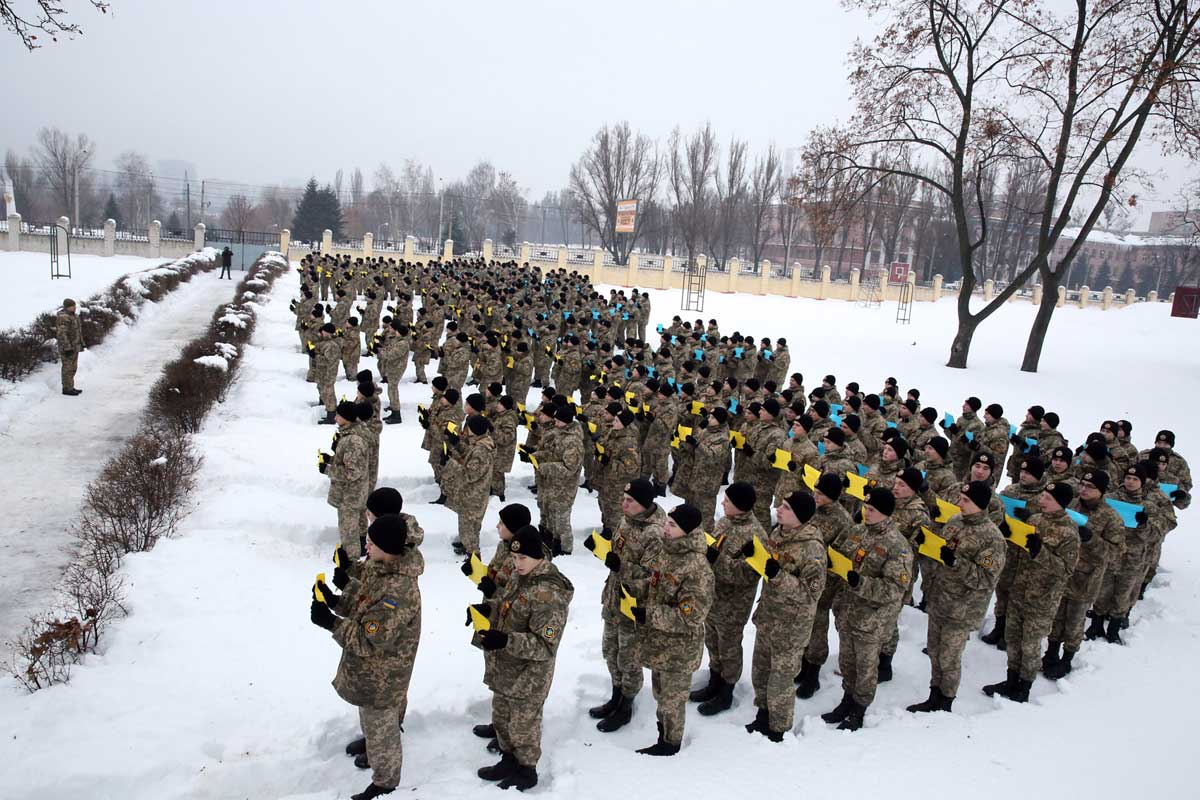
{"x":82,"y":155}
{"x":441,"y":204}
{"x":187,"y":191}
{"x":202,"y":201}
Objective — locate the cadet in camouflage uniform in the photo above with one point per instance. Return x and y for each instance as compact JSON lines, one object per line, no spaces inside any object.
{"x":709,"y":463}
{"x":379,"y":631}
{"x":957,"y":601}
{"x":503,"y":416}
{"x":470,"y":457}
{"x":348,"y":471}
{"x":1175,"y":471}
{"x":910,"y":516}
{"x":560,"y":461}
{"x":960,"y":446}
{"x":671,"y":606}
{"x":1028,"y":488}
{"x":760,"y":449}
{"x":326,"y":356}
{"x":370,"y":427}
{"x":795,"y":579}
{"x":455,"y":360}
{"x":1031,"y":426}
{"x":1041,"y":577}
{"x":867,"y":606}
{"x":1123,"y":579}
{"x":393,"y":363}
{"x":803,"y":453}
{"x":1101,"y":541}
{"x":351,"y":347}
{"x":70,"y":344}
{"x":656,"y":448}
{"x":423,"y":348}
{"x":527,"y":621}
{"x":617,"y":465}
{"x":635,"y":549}
{"x":518,"y":378}
{"x":442,"y":410}
{"x":736,"y":586}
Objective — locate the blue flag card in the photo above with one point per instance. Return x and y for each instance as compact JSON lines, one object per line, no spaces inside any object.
{"x":821,"y":447}
{"x":1128,"y":511}
{"x":1010,"y":503}
{"x":566,"y":315}
{"x":698,"y":353}
{"x":659,"y":328}
{"x":733,"y":405}
{"x":595,"y":315}
{"x":737,"y":352}
{"x":835,"y":419}
{"x":835,"y":408}
{"x":1076,"y":517}
{"x":948,"y":420}
{"x":1168,"y":488}
{"x":891,"y":424}
{"x":862,"y":469}
{"x":767,"y":355}
{"x":1030,"y":444}
{"x":970,"y":436}
{"x":1012,"y":429}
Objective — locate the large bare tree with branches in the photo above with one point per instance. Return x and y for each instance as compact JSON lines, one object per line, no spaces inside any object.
{"x":764,"y":193}
{"x":691,"y":166}
{"x":619,"y":164}
{"x":47,"y":19}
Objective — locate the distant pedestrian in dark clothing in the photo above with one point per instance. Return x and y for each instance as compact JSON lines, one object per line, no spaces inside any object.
{"x":226,"y":263}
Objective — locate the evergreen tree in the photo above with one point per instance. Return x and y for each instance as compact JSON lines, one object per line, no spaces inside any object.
{"x":111,"y":211}
{"x":458,"y":233}
{"x":318,"y":209}
{"x":173,"y":223}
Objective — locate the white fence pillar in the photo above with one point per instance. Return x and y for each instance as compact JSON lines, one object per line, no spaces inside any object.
{"x":285,"y":241}
{"x":63,"y":232}
{"x":110,"y":237}
{"x":198,"y":236}
{"x":154,"y":235}
{"x":326,"y":242}
{"x":14,"y":231}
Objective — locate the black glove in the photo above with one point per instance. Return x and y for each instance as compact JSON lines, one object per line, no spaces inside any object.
{"x":712,"y":553}
{"x":451,"y":438}
{"x":321,"y":616}
{"x":853,"y":578}
{"x":772,"y":568}
{"x":845,"y":481}
{"x":919,"y":539}
{"x":1179,"y":495}
{"x":793,"y":465}
{"x":748,"y":450}
{"x":331,"y":599}
{"x":590,"y":544}
{"x":523,"y":455}
{"x":639,"y":615}
{"x":1034,"y":544}
{"x":487,"y":586}
{"x":648,"y":417}
{"x":603,"y":458}
{"x":1005,"y":531}
{"x":692,"y":441}
{"x":973,"y":443}
{"x":494,"y":640}
{"x":445,"y":459}
{"x":747,"y":549}
{"x":1022,"y":514}
{"x":465,"y":568}
{"x":483,"y":608}
{"x":1085,"y":534}
{"x":326,"y":460}
{"x":341,"y":577}
{"x":1140,"y":518}
{"x":953,"y":429}
{"x":1017,"y":440}
{"x":947,"y":554}
{"x":612,"y":561}
{"x":333,"y":444}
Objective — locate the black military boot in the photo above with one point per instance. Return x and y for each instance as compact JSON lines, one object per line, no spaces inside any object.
{"x":760,"y":722}
{"x":485,"y":731}
{"x":357,"y":747}
{"x":361,"y":761}
{"x":660,"y":748}
{"x":372,"y":791}
{"x":774,"y":736}
{"x":603,"y":710}
{"x":840,"y":711}
{"x":1004,"y":687}
{"x":1062,"y":667}
{"x":809,"y":680}
{"x":709,"y":691}
{"x":441,"y":500}
{"x":328,"y":419}
{"x":393,"y":417}
{"x":1095,"y":629}
{"x":493,"y":746}
{"x":500,"y":770}
{"x":522,"y":778}
{"x":945,"y":703}
{"x":1020,"y":692}
{"x":1051,"y":658}
{"x":721,"y":701}
{"x":997,"y":635}
{"x":854,"y":717}
{"x":619,"y":717}
{"x":932,"y":704}
{"x":1113,"y":634}
{"x":885,"y":668}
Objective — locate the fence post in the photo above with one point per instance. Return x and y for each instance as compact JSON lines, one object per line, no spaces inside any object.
{"x":796,"y":279}
{"x":154,"y":234}
{"x":1084,"y":293}
{"x":664,"y":277}
{"x":410,"y":247}
{"x":368,"y":244}
{"x":562,"y":257}
{"x":1152,"y":296}
{"x":855,"y":284}
{"x":764,"y":278}
{"x":631,"y":276}
{"x":597,"y":266}
{"x":989,"y":289}
{"x":448,"y":249}
{"x":64,"y":222}
{"x":326,"y":242}
{"x":937,"y":287}
{"x":285,"y":241}
{"x":1106,"y":304}
{"x":826,"y":272}
{"x":1130,"y":294}
{"x":489,"y":250}
{"x":1062,"y":297}
{"x":198,"y":236}
{"x":1037,"y":294}
{"x":14,"y":232}
{"x":524,"y":253}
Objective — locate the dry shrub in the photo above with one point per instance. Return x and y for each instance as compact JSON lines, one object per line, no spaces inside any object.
{"x":21,"y":353}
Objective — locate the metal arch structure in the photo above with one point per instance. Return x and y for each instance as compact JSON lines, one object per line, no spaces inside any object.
{"x":693,"y":287}
{"x":904,"y":305}
{"x":55,"y":260}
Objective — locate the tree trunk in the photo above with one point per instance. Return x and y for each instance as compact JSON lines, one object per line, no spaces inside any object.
{"x":1041,"y":324}
{"x":960,"y":349}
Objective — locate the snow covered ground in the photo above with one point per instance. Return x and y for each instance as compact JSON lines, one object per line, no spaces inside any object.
{"x":55,"y":444}
{"x":217,"y":685}
{"x":29,"y":290}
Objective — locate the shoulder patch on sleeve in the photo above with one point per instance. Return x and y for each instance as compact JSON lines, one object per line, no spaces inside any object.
{"x":371,"y":627}
{"x":685,"y":607}
{"x":389,"y":602}
{"x":550,"y":632}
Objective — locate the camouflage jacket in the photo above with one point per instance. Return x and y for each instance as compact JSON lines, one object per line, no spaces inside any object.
{"x":789,"y":600}
{"x":961,"y":593}
{"x":1096,"y":555}
{"x":68,"y":332}
{"x":730,"y":569}
{"x":676,"y":597}
{"x":883,"y":560}
{"x":636,"y":542}
{"x":348,"y":472}
{"x":1039,"y":582}
{"x":560,"y":458}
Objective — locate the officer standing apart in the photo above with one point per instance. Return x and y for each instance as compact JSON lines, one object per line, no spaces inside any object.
{"x":70,"y":342}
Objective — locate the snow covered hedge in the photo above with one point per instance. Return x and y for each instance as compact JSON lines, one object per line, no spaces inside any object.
{"x":22,"y":350}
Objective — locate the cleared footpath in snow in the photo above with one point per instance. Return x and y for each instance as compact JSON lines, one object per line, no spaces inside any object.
{"x":54,"y":445}
{"x":217,"y":685}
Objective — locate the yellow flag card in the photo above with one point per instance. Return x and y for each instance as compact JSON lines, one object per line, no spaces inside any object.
{"x":857,"y":484}
{"x":337,"y":559}
{"x":683,"y":431}
{"x":628,"y":602}
{"x":758,"y":561}
{"x":521,"y":407}
{"x":601,"y":547}
{"x":478,"y":621}
{"x":811,"y":476}
{"x":509,"y":363}
{"x":532,"y":457}
{"x":782,"y":459}
{"x":675,"y":443}
{"x":839,"y":564}
{"x":591,"y":426}
{"x":528,"y":420}
{"x":645,"y":408}
{"x":709,"y":539}
{"x":451,"y":427}
{"x":317,"y":587}
{"x":932,"y":546}
{"x":478,"y":569}
{"x":599,"y":449}
{"x":629,"y":398}
{"x":946,"y":510}
{"x":738,"y":439}
{"x":697,"y":408}
{"x":1020,"y":532}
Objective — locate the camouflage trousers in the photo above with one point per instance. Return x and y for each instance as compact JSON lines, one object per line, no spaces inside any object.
{"x":381,"y":727}
{"x":372,"y":466}
{"x":419,"y":365}
{"x":706,"y":502}
{"x":858,"y":660}
{"x":541,"y":366}
{"x":352,"y":528}
{"x":671,"y":688}
{"x":778,"y":652}
{"x":725,"y":626}
{"x":394,"y":370}
{"x":1122,"y":582}
{"x":1069,"y":622}
{"x":610,"y":505}
{"x":350,"y":361}
{"x":1005,"y":581}
{"x":470,"y":521}
{"x":518,"y":723}
{"x":764,"y":486}
{"x":70,"y":363}
{"x":519,"y":391}
{"x":619,"y":646}
{"x":555,"y":515}
{"x":817,"y":651}
{"x":499,"y":464}
{"x":327,"y":394}
{"x":946,"y":642}
{"x":655,"y":463}
{"x":1024,"y":630}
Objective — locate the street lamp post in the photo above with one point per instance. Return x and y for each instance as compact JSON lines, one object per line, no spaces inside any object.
{"x":441,"y":203}
{"x":82,"y":155}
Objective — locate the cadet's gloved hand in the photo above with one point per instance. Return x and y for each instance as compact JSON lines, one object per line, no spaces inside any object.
{"x":919,"y":539}
{"x":1034,"y":544}
{"x":465,"y":567}
{"x":947,"y":555}
{"x":523,"y":455}
{"x":1179,"y":495}
{"x":445,"y":459}
{"x":1140,"y":518}
{"x":494,"y":640}
{"x":1005,"y":531}
{"x":953,"y":429}
{"x":712,"y":553}
{"x":1022,"y":514}
{"x":772,"y":568}
{"x":333,"y":444}
{"x":845,"y":481}
{"x":451,"y":438}
{"x":691,"y":440}
{"x":648,"y":416}
{"x":487,"y":586}
{"x":612,"y":561}
{"x":321,"y":616}
{"x":331,"y":599}
{"x":341,"y":577}
{"x":793,"y":465}
{"x":748,"y":450}
{"x":1085,"y":534}
{"x":853,"y":578}
{"x":1079,"y":450}
{"x":747,"y":549}
{"x":1017,"y":440}
{"x":483,"y":608}
{"x":639,"y":615}
{"x":603,"y":458}
{"x":973,"y":443}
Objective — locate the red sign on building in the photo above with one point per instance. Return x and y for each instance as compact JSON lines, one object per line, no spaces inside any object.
{"x":1187,"y":302}
{"x":898,"y":273}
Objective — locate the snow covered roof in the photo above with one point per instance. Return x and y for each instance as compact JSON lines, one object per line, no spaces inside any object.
{"x":1130,"y":239}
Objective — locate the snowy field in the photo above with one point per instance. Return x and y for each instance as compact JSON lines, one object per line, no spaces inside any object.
{"x":217,"y":685}
{"x":29,"y":289}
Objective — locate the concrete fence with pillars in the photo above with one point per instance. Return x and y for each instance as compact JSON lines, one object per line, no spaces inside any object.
{"x":104,"y":241}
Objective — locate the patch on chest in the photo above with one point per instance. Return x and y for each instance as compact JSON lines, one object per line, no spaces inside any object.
{"x":388,"y":602}
{"x":685,"y":607}
{"x":550,"y":632}
{"x":371,"y":628}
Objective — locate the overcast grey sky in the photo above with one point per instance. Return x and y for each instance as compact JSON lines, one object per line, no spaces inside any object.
{"x":267,"y":92}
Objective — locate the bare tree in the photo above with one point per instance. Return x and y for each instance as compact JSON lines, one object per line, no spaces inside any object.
{"x":470,"y":198}
{"x":507,"y":207}
{"x":788,"y":216}
{"x":725,"y":229}
{"x":894,"y":201}
{"x":764,"y":192}
{"x":691,"y":167}
{"x":357,"y":188}
{"x":831,"y":196}
{"x":48,"y":20}
{"x":23,"y":178}
{"x":276,"y":206}
{"x":135,"y":189}
{"x":60,"y":160}
{"x":619,"y":164}
{"x":239,"y":213}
